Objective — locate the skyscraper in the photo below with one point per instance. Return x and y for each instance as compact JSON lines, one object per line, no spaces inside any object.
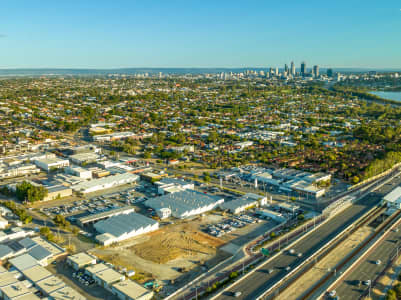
{"x":292,"y":69}
{"x":316,"y":71}
{"x":329,"y":72}
{"x":303,"y":68}
{"x":286,"y":68}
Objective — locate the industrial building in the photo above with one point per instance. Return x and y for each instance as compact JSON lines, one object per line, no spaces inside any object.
{"x":243,"y":203}
{"x":172,"y":185}
{"x":104,"y":215}
{"x":81,"y":260}
{"x":130,"y":290}
{"x":124,"y":226}
{"x":84,"y":158}
{"x":79,"y":172}
{"x":57,"y":192}
{"x":184,"y":204}
{"x":278,"y":217}
{"x":105,"y":183}
{"x":290,"y":180}
{"x":49,"y":164}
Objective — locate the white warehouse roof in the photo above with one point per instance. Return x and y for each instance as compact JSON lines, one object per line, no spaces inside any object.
{"x":124,"y":224}
{"x":105,"y":182}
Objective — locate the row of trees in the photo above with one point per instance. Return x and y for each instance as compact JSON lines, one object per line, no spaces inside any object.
{"x":20,"y":212}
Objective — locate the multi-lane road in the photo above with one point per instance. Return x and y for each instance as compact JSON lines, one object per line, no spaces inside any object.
{"x":255,"y":284}
{"x":349,"y":288}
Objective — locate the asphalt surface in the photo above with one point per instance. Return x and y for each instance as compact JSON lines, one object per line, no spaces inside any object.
{"x":260,"y":280}
{"x":368,"y":269}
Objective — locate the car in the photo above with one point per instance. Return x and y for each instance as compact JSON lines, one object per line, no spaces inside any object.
{"x":366,"y":282}
{"x":332,"y":293}
{"x":237,"y":294}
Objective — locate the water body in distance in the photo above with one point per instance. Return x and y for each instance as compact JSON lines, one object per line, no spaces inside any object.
{"x":388,"y":95}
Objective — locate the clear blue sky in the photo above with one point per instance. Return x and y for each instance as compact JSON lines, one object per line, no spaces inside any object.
{"x":199,"y":33}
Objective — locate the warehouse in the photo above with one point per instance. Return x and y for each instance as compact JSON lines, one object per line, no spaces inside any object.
{"x":186,"y":203}
{"x":169,"y":185}
{"x":124,"y":226}
{"x":104,"y":215}
{"x":84,"y":158}
{"x":105,"y":183}
{"x":57,"y":192}
{"x":79,"y":172}
{"x":49,"y":164}
{"x":130,"y":290}
{"x":272,"y":215}
{"x":66,"y":293}
{"x":81,"y":260}
{"x":104,"y":275}
{"x":239,"y":205}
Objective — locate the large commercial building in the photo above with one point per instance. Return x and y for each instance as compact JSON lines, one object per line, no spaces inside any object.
{"x":105,"y":183}
{"x":243,"y":203}
{"x":172,"y":185}
{"x":184,"y":204}
{"x":57,"y":192}
{"x":49,"y":164}
{"x":123,"y":226}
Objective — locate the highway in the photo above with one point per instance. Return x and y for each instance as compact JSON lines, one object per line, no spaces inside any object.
{"x":368,"y":269}
{"x":260,"y":280}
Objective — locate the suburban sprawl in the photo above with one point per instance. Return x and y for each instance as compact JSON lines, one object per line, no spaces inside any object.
{"x":252,"y":184}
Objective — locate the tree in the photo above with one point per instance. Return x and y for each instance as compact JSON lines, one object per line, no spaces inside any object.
{"x":29,"y":192}
{"x":355,"y":179}
{"x":391,"y":295}
{"x":61,"y":221}
{"x":44,"y":230}
{"x":397,"y":289}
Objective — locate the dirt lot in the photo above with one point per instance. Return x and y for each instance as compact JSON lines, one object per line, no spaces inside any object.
{"x":165,"y":253}
{"x":173,"y":242}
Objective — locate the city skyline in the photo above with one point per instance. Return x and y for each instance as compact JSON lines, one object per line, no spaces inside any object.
{"x":103,"y":35}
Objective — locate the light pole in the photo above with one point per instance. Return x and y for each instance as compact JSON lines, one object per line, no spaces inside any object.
{"x":370,"y":282}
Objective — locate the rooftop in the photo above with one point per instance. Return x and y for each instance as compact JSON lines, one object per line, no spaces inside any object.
{"x":24,"y":261}
{"x":50,"y":284}
{"x":394,"y":196}
{"x":109,"y":276}
{"x":81,"y":258}
{"x":124,"y":223}
{"x":36,"y":273}
{"x":183,"y":201}
{"x":130,"y":288}
{"x":66,"y":293}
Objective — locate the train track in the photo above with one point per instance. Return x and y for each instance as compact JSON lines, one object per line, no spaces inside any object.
{"x":372,"y":215}
{"x":357,"y":252}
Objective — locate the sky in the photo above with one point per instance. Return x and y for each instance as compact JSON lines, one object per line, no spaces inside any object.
{"x":199,"y":33}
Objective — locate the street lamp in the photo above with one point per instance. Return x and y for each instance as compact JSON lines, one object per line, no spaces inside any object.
{"x":370,"y":282}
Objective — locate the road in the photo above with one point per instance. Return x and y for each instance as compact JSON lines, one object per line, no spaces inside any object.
{"x":260,"y":280}
{"x":368,"y":269}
